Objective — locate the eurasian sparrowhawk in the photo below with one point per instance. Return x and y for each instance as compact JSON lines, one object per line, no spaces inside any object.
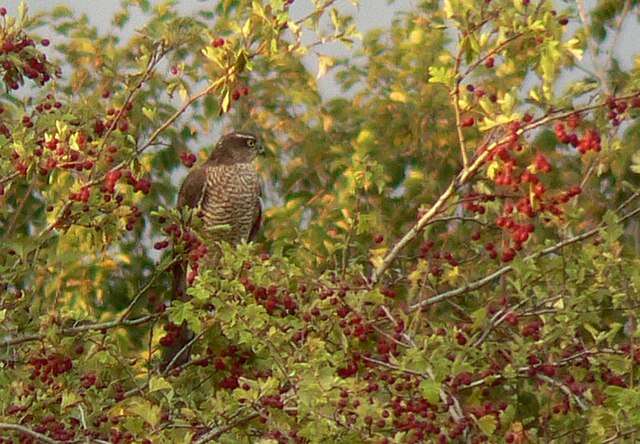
{"x":224,"y":191}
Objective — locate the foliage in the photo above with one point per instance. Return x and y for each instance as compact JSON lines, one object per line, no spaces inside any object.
{"x":449,"y":251}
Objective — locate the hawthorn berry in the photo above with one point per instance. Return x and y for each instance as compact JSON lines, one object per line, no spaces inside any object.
{"x":467,"y":122}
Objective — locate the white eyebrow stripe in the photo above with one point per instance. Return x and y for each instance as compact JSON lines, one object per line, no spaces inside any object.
{"x":244,"y":136}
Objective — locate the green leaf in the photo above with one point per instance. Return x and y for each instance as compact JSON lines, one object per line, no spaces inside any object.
{"x":487,"y":424}
{"x":149,"y":113}
{"x":145,"y":410}
{"x":324,"y":63}
{"x":226,"y":101}
{"x":430,"y":390}
{"x":441,"y":74}
{"x":61,"y":11}
{"x":69,"y":398}
{"x":157,"y":383}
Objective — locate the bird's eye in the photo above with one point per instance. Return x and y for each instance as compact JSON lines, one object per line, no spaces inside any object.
{"x":251,"y":143}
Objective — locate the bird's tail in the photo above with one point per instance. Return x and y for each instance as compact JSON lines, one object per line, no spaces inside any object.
{"x":179,"y":292}
{"x":179,"y":271}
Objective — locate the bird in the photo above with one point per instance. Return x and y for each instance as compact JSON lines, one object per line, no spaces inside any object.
{"x":224,"y":191}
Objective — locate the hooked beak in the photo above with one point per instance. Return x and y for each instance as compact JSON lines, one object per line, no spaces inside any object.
{"x":261,"y":149}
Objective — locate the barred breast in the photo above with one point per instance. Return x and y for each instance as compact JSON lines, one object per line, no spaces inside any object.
{"x":230,"y":198}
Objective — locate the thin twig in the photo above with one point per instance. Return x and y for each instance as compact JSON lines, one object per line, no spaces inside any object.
{"x":9,"y":178}
{"x":599,"y":71}
{"x":72,"y":331}
{"x":216,"y":432}
{"x":456,"y":106}
{"x":144,"y":289}
{"x":564,"y":390}
{"x":26,"y":431}
{"x":491,"y":53}
{"x":18,"y":211}
{"x":177,"y":356}
{"x":496,"y":274}
{"x":619,"y":435}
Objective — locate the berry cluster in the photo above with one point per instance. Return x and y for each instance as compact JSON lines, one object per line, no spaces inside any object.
{"x":194,"y":247}
{"x":48,"y":367}
{"x":523,"y":194}
{"x":239,"y":92}
{"x":619,"y":109}
{"x":590,"y":141}
{"x":188,"y":159}
{"x":19,"y":59}
{"x":56,"y":429}
{"x":174,"y":332}
{"x":218,"y":42}
{"x":438,"y":258}
{"x":271,"y":298}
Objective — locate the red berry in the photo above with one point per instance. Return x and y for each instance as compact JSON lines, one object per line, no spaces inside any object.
{"x":188,"y":159}
{"x":512,"y":318}
{"x":489,"y":63}
{"x":508,"y":255}
{"x":542,"y":164}
{"x":45,"y":42}
{"x":3,"y":11}
{"x":467,"y":122}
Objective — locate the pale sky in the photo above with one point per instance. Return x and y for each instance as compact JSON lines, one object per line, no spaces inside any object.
{"x":370,"y":14}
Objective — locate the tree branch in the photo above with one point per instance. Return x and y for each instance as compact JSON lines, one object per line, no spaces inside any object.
{"x":496,"y":274}
{"x":25,"y":431}
{"x":72,"y":331}
{"x":464,"y":176}
{"x":216,"y":432}
{"x":155,"y":58}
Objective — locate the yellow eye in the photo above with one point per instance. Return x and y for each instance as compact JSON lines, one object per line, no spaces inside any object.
{"x":251,"y":143}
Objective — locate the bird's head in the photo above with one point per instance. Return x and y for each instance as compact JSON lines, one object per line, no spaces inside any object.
{"x":236,"y":148}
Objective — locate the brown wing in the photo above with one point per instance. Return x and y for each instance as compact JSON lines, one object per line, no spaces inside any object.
{"x":257,"y":222}
{"x":192,"y":188}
